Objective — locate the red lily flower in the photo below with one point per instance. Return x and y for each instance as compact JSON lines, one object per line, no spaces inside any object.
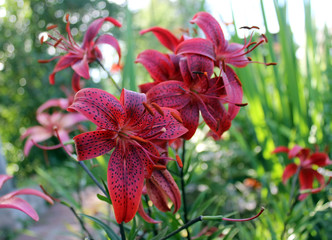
{"x":165,"y":37}
{"x":79,"y":57}
{"x":10,"y":201}
{"x":216,"y":46}
{"x":63,"y":122}
{"x":161,"y":67}
{"x":161,"y":187}
{"x":307,"y":173}
{"x":129,"y":126}
{"x":198,"y":92}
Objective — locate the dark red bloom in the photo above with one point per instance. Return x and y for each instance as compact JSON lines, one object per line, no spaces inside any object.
{"x":161,"y":67}
{"x":165,"y":37}
{"x":198,"y":92}
{"x":306,"y":167}
{"x":78,"y":57}
{"x":216,"y":46}
{"x":129,"y":126}
{"x":160,"y":187}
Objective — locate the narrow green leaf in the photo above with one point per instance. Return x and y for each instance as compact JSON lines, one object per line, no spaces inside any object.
{"x":161,"y":234}
{"x":110,"y":233}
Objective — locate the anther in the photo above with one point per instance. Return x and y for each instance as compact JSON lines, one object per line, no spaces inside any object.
{"x":265,"y":38}
{"x":158,"y":109}
{"x":249,"y":58}
{"x":241,"y":104}
{"x":42,"y":40}
{"x":179,"y":161}
{"x":177,"y":117}
{"x":67,"y":17}
{"x":43,"y":61}
{"x":197,"y":72}
{"x":52,"y":27}
{"x":138,"y":139}
{"x":147,"y":107}
{"x":159,"y":167}
{"x":57,"y":42}
{"x":271,"y":64}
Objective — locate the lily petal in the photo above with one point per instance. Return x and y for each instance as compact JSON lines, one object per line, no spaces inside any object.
{"x":60,"y":102}
{"x":289,"y":171}
{"x":145,"y":216}
{"x":164,"y":36}
{"x":93,"y":144}
{"x":234,"y":91}
{"x":75,"y":82}
{"x":157,"y":64}
{"x":169,"y":94}
{"x":133,"y":104}
{"x":190,"y":117}
{"x":125,"y":178}
{"x":211,"y":29}
{"x":19,"y":204}
{"x":64,"y":62}
{"x":28,"y":191}
{"x":4,"y":178}
{"x":320,"y":159}
{"x":94,"y":28}
{"x":110,"y":40}
{"x":198,"y":46}
{"x":81,"y":67}
{"x":100,"y":107}
{"x":70,"y":119}
{"x":306,"y":178}
{"x":281,"y":149}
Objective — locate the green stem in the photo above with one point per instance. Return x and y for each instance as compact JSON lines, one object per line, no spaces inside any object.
{"x":109,"y":75}
{"x":184,"y":200}
{"x":122,"y":232}
{"x":218,"y":218}
{"x":80,"y":221}
{"x":292,"y":201}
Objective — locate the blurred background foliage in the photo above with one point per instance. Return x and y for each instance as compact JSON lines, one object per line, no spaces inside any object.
{"x":288,"y":104}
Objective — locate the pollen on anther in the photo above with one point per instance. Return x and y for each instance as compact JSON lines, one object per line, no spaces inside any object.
{"x":179,"y":161}
{"x":57,"y":42}
{"x":52,"y":27}
{"x":177,"y":117}
{"x":67,"y":17}
{"x":147,"y":107}
{"x":158,"y":108}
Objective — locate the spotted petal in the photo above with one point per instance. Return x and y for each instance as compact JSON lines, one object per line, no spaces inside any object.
{"x":234,"y":91}
{"x":211,"y":28}
{"x":19,"y":204}
{"x":93,"y":144}
{"x":198,"y":46}
{"x":133,"y":104}
{"x":125,"y":178}
{"x":157,"y":64}
{"x":169,"y":94}
{"x":100,"y":107}
{"x":190,"y":117}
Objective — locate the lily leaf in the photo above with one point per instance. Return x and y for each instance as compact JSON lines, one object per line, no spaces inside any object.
{"x":110,"y":233}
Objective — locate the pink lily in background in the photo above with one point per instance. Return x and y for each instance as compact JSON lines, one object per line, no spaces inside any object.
{"x":307,"y":171}
{"x":63,"y":122}
{"x":11,"y":201}
{"x":129,"y":126}
{"x":62,"y":103}
{"x":78,"y":57}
